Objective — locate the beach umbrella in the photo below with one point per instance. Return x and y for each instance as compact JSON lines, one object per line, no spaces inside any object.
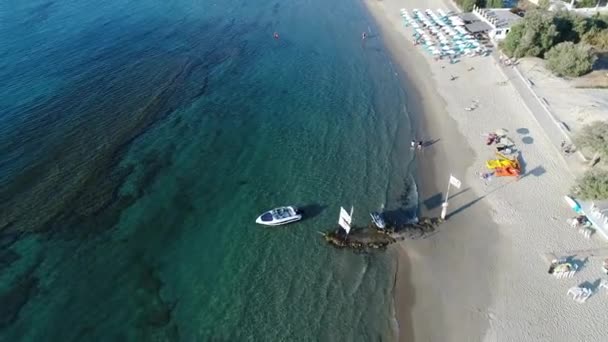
{"x":501,"y":132}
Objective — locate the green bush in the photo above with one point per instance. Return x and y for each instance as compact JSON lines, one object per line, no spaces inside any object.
{"x":592,"y":186}
{"x":569,"y":59}
{"x":598,"y":38}
{"x":594,"y":136}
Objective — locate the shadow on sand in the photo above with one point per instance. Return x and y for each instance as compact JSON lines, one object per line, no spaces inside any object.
{"x":435,"y":201}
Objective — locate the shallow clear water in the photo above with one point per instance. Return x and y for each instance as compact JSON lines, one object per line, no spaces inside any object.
{"x":140,"y":139}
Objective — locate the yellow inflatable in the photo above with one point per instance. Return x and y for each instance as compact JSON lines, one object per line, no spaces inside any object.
{"x":502,"y":162}
{"x":499,"y":163}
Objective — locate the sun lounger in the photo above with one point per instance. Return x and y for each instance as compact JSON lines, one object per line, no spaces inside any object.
{"x":580,"y":294}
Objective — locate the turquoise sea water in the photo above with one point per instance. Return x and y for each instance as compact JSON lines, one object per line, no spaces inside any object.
{"x":140,"y":139}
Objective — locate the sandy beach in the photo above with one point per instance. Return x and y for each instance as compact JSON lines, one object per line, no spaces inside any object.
{"x":483,"y":276}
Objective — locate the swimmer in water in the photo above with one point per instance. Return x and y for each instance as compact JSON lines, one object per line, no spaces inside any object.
{"x":363,"y":36}
{"x":276,"y":35}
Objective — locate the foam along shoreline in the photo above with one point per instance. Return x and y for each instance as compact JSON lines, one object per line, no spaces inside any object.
{"x":422,"y":293}
{"x":484,"y":275}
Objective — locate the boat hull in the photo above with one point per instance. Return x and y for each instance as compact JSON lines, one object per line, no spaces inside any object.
{"x":378,"y":220}
{"x":278,"y":223}
{"x":279,"y":216}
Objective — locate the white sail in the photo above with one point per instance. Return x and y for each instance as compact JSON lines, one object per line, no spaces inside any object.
{"x":344,"y":215}
{"x":345,"y":220}
{"x":344,"y":225}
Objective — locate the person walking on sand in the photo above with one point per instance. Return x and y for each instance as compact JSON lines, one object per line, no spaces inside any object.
{"x":420,"y":145}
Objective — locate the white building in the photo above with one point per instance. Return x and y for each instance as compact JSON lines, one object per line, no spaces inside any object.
{"x":499,"y":20}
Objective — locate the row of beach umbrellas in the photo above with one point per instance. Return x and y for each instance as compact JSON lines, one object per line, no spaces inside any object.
{"x":449,"y":37}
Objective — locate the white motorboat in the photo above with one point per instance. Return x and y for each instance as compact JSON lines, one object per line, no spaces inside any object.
{"x":378,"y":220}
{"x":279,"y":216}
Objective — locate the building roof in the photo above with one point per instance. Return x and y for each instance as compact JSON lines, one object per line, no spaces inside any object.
{"x":498,"y":17}
{"x":478,"y":26}
{"x":468,"y":16}
{"x":505,"y":18}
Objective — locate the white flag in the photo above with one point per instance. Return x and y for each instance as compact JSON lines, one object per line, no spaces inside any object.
{"x":455,"y":182}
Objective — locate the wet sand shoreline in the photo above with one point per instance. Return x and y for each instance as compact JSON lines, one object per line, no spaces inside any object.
{"x":419,"y":306}
{"x":483,"y":276}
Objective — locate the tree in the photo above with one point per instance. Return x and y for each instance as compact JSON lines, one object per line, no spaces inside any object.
{"x":534,"y":36}
{"x":569,"y":59}
{"x":494,"y":3}
{"x":595,"y":137}
{"x":585,"y":3}
{"x":570,"y":26}
{"x":544,"y":4}
{"x":467,"y":5}
{"x":592,"y":186}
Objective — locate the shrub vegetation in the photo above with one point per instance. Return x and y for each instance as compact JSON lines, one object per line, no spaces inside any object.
{"x":592,"y":186}
{"x":594,"y":136}
{"x":585,"y":3}
{"x":569,"y":59}
{"x":541,"y":31}
{"x":467,"y":5}
{"x":532,"y":37}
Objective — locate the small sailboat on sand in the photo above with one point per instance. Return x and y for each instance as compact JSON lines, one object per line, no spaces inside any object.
{"x":361,"y":238}
{"x":367,"y":238}
{"x":378,"y":218}
{"x":345,"y":219}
